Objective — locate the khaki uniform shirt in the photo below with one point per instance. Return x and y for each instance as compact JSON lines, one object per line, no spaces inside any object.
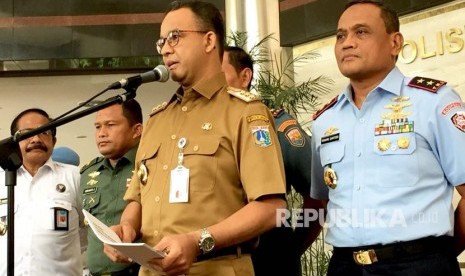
{"x":232,"y":153}
{"x":102,"y":191}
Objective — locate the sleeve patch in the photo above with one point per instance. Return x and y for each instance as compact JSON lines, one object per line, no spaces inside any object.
{"x":459,"y":120}
{"x":451,"y":106}
{"x":295,"y":137}
{"x":427,"y":84}
{"x":257,"y":117}
{"x":286,"y":124}
{"x":261,"y":136}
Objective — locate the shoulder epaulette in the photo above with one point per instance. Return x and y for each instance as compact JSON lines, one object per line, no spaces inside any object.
{"x":246,"y":96}
{"x":325,"y":107}
{"x":158,"y":108}
{"x":277,"y":112}
{"x":91,"y":163}
{"x":427,"y":84}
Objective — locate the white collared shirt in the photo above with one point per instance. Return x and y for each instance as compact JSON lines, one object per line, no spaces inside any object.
{"x":39,"y":248}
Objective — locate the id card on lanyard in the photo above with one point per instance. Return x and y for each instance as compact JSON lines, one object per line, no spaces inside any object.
{"x":179,"y":182}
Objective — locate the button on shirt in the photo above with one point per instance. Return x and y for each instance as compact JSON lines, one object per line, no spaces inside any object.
{"x":395,"y":178}
{"x":39,"y":249}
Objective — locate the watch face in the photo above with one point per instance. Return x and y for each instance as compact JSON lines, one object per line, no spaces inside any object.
{"x":207,"y":244}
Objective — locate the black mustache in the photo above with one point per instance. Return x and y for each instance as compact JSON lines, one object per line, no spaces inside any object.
{"x":36,"y":146}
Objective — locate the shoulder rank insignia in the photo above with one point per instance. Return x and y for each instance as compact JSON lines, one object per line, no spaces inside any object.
{"x":246,"y":96}
{"x":427,"y":84}
{"x":158,"y":108}
{"x":91,"y":163}
{"x":325,"y":107}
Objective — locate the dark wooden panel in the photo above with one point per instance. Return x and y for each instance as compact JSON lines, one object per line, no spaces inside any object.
{"x":65,"y":32}
{"x":318,"y":19}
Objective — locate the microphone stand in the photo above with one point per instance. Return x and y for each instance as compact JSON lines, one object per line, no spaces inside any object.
{"x":11,"y":160}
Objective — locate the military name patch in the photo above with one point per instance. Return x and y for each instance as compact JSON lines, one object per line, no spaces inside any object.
{"x":89,"y":191}
{"x":295,"y":137}
{"x":330,"y":138}
{"x":261,"y":136}
{"x":287,"y":123}
{"x":257,"y":117}
{"x":459,"y":120}
{"x":451,"y":106}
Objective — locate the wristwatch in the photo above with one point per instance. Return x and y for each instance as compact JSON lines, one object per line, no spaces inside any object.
{"x":206,"y":242}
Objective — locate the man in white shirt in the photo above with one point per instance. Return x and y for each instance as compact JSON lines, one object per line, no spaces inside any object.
{"x":47,"y":206}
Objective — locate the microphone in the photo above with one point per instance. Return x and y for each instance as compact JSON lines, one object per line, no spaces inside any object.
{"x":159,"y":73}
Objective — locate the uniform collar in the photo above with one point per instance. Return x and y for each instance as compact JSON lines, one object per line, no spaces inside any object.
{"x":127,"y":158}
{"x":48,"y":164}
{"x":392,"y":83}
{"x":209,"y":87}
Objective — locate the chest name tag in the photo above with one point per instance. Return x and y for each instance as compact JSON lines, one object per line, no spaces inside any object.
{"x":89,"y":191}
{"x":330,"y":138}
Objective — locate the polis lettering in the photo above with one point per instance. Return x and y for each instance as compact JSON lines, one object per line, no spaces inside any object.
{"x":449,"y":42}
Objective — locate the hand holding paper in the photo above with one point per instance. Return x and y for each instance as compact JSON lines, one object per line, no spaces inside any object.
{"x":139,"y":252}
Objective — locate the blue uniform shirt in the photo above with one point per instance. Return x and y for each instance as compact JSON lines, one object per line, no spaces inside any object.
{"x":396,"y":161}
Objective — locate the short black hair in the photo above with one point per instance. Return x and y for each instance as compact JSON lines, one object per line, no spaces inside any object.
{"x":240,"y":60}
{"x":132,"y":112}
{"x":389,"y":16}
{"x":209,"y":17}
{"x":14,"y":123}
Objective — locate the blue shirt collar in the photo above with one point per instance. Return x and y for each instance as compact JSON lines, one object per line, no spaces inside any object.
{"x":392,"y":83}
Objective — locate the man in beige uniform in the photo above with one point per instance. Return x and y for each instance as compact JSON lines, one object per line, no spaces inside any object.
{"x":209,"y":169}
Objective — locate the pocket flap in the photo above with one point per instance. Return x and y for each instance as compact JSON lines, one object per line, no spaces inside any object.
{"x":60,"y":203}
{"x":331,"y":153}
{"x":202,"y":146}
{"x":148,"y":151}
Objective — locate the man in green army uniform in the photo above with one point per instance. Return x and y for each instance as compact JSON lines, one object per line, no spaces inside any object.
{"x":104,"y":179}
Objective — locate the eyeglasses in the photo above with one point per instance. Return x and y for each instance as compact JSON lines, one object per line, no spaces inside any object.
{"x":43,"y":134}
{"x":173,"y":38}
